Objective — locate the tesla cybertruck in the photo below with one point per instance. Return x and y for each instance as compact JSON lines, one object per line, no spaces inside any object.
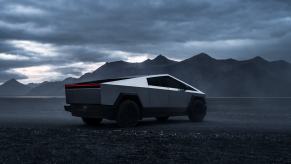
{"x":127,"y":100}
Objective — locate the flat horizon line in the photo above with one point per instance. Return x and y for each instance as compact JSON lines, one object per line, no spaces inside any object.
{"x":216,"y":97}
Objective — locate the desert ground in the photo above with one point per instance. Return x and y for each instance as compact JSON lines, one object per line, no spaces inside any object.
{"x":235,"y":130}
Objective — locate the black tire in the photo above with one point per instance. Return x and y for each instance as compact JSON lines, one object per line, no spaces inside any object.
{"x":162,"y":119}
{"x":197,"y":110}
{"x":92,"y":121}
{"x":128,"y":114}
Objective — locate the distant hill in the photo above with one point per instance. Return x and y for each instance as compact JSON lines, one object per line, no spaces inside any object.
{"x":122,"y":68}
{"x":228,"y":77}
{"x":159,"y":60}
{"x":13,"y":88}
{"x":51,"y":88}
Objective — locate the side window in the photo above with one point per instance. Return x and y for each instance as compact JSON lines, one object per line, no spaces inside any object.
{"x":156,"y":81}
{"x":173,"y":83}
{"x":167,"y":81}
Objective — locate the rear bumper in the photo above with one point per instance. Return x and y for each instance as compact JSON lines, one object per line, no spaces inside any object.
{"x":91,"y":111}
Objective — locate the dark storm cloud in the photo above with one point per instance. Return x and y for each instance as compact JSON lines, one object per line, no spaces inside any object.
{"x":84,"y":30}
{"x":70,"y":71}
{"x":85,"y":54}
{"x":141,"y":22}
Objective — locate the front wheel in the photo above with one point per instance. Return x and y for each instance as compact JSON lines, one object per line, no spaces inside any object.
{"x":128,"y":114}
{"x":92,"y":121}
{"x":197,"y":110}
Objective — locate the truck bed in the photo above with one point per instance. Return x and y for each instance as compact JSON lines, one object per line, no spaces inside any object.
{"x":86,"y":92}
{"x":83,"y":96}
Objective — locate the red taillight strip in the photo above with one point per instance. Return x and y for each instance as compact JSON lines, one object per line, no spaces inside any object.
{"x":88,"y":85}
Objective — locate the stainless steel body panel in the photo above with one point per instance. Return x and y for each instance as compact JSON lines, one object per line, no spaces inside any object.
{"x":158,"y":98}
{"x":110,"y":93}
{"x":179,"y":98}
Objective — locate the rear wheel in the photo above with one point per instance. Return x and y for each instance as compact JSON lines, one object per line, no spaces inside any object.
{"x":162,"y":119}
{"x":197,"y":110}
{"x":128,"y":114}
{"x":92,"y":121}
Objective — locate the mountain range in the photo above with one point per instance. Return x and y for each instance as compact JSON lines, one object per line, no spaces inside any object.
{"x":255,"y":77}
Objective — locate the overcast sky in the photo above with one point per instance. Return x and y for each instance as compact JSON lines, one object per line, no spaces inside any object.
{"x":55,"y":39}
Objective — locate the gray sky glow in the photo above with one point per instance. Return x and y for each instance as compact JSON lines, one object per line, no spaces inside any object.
{"x":52,"y":40}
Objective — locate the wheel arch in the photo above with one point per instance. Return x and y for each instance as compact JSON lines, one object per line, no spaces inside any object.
{"x":194,"y":98}
{"x":128,"y":96}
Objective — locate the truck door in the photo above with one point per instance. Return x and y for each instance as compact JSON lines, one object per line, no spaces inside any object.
{"x":158,"y":92}
{"x":159,"y":97}
{"x":178,"y":97}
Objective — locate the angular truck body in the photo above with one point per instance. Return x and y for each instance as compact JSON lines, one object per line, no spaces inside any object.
{"x":130,"y":99}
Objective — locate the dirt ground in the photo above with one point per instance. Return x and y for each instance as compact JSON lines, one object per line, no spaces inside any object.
{"x":235,"y":131}
{"x":88,"y":145}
